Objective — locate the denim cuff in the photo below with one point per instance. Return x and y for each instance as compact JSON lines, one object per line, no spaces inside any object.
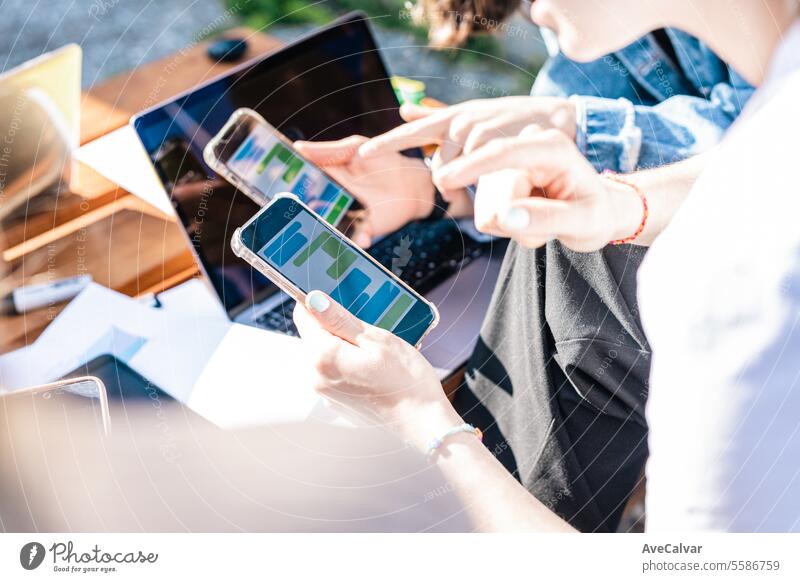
{"x":607,"y":133}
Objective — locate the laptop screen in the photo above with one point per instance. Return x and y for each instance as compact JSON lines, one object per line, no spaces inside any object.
{"x":40,"y":104}
{"x":329,"y":85}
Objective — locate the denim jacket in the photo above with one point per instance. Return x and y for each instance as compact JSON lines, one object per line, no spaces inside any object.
{"x":637,"y":108}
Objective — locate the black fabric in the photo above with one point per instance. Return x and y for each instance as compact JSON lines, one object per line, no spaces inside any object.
{"x":558,"y":381}
{"x":663,"y":40}
{"x":440,"y":205}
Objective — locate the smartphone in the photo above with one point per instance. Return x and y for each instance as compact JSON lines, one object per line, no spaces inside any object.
{"x":297,"y":250}
{"x":79,"y":400}
{"x":261,"y":162}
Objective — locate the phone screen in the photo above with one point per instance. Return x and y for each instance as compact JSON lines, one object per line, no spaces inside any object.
{"x":293,"y":241}
{"x":268,"y":164}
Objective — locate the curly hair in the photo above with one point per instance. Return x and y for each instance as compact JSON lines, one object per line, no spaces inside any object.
{"x":451,"y":22}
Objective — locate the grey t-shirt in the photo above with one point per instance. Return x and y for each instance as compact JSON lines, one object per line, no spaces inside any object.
{"x":558,"y":381}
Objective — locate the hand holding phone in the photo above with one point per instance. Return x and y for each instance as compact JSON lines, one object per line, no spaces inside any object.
{"x":292,"y":246}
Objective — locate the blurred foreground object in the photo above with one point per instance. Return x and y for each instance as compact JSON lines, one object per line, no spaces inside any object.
{"x":165,"y":470}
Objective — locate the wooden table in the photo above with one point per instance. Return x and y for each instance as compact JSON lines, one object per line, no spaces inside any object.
{"x":97,"y":227}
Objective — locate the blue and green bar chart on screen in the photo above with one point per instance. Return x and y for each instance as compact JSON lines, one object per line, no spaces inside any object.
{"x":265,"y":162}
{"x":313,"y":258}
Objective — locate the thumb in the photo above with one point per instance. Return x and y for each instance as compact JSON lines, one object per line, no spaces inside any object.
{"x":334,"y":318}
{"x":330,"y":153}
{"x":363,"y":236}
{"x":412,"y":111}
{"x":536,"y":216}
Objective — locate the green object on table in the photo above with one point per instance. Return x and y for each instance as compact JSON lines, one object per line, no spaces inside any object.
{"x":408,"y":90}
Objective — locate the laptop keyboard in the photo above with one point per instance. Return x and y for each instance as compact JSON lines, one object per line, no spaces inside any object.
{"x":279,"y":319}
{"x":422,"y":254}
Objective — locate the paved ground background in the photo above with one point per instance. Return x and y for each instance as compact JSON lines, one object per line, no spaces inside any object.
{"x":117,"y":35}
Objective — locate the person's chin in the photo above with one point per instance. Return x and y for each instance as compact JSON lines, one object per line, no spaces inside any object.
{"x":577,"y":55}
{"x":542,"y":14}
{"x":575,"y":43}
{"x":573,"y":48}
{"x":576,"y":47}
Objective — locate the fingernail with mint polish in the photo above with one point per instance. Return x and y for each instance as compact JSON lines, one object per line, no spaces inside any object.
{"x":318,"y":301}
{"x":515,"y":219}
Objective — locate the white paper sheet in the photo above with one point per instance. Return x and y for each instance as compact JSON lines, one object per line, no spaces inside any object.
{"x":189,"y":327}
{"x":120,"y":157}
{"x":233,"y":375}
{"x":254,"y":377}
{"x":97,"y":321}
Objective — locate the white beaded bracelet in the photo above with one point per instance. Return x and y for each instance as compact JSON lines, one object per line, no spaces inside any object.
{"x":435,"y":443}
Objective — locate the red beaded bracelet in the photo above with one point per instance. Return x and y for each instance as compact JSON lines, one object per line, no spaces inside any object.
{"x":645,"y":209}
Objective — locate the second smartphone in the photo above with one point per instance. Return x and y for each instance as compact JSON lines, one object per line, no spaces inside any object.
{"x":261,"y":162}
{"x":297,"y":250}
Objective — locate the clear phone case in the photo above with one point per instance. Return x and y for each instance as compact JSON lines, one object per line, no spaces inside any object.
{"x":211,"y":156}
{"x":242,"y":251}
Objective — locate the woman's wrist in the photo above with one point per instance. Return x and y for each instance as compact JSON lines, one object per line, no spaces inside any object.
{"x":420,"y":421}
{"x":628,"y":211}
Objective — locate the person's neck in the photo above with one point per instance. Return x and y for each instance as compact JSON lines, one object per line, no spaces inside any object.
{"x":745,"y":34}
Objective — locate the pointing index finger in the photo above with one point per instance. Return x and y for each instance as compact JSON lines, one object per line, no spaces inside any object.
{"x":326,"y":153}
{"x":421,"y":132}
{"x":544,"y":156}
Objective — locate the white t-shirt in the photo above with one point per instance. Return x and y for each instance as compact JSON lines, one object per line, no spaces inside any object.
{"x":719,"y":293}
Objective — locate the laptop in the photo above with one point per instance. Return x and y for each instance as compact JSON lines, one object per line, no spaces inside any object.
{"x":40,"y":122}
{"x":328,"y":85}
